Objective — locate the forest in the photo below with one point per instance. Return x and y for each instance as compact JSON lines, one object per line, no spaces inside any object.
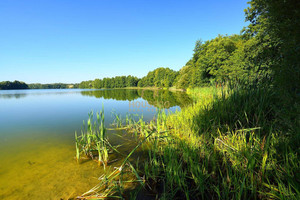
{"x":17,"y":85}
{"x":7,"y":85}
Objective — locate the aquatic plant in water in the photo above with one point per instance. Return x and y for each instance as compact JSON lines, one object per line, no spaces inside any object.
{"x":92,"y":142}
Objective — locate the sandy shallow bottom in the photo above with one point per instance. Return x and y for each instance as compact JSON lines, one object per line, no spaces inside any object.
{"x":44,"y":169}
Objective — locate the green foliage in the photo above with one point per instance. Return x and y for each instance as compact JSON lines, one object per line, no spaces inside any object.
{"x":93,"y":142}
{"x":267,"y":51}
{"x":115,"y":82}
{"x":221,"y":148}
{"x":222,"y":59}
{"x":239,"y":109}
{"x":52,"y":86}
{"x":86,"y":84}
{"x":240,"y":141}
{"x":275,"y":25}
{"x":229,"y":144}
{"x":7,"y":85}
{"x":16,"y":85}
{"x":160,"y":77}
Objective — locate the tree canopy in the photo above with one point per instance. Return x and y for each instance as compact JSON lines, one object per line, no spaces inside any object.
{"x":220,"y":59}
{"x":275,"y":25}
{"x":160,"y":77}
{"x":16,"y":85}
{"x":115,"y":82}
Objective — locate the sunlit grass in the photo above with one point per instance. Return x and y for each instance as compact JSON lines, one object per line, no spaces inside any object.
{"x":226,"y":145}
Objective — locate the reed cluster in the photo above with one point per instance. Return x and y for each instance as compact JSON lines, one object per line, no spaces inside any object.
{"x":92,"y":142}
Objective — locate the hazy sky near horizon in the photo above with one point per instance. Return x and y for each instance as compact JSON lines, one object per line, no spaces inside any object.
{"x":68,"y":41}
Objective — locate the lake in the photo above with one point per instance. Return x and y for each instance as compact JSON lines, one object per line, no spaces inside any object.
{"x":37,"y":145}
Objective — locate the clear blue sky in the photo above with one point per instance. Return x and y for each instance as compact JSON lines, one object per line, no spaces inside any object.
{"x":69,"y":41}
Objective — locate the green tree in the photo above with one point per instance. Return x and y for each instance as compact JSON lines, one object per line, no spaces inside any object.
{"x":275,"y":25}
{"x":160,"y":77}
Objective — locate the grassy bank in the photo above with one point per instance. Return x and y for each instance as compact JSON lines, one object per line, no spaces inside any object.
{"x":230,"y":144}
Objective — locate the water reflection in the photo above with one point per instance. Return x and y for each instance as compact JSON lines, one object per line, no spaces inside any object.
{"x":116,"y":94}
{"x":156,"y":98}
{"x":161,"y":98}
{"x":165,"y":98}
{"x":10,"y":96}
{"x":17,"y":94}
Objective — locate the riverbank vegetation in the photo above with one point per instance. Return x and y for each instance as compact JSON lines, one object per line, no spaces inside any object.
{"x":240,"y":138}
{"x":92,"y":142}
{"x":230,"y":144}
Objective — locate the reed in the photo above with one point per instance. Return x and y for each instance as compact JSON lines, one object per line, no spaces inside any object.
{"x":111,"y":185}
{"x":92,"y":142}
{"x":118,"y":121}
{"x":77,"y":147}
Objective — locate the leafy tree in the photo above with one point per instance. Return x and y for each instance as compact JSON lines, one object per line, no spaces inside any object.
{"x":86,"y":84}
{"x":275,"y":25}
{"x":213,"y":60}
{"x":160,"y":77}
{"x":97,"y":83}
{"x":131,"y":81}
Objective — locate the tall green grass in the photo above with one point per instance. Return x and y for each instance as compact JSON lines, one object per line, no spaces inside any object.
{"x":92,"y":142}
{"x":229,"y":144}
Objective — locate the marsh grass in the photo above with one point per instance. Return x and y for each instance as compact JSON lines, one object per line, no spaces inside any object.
{"x":229,"y":144}
{"x":92,"y":142}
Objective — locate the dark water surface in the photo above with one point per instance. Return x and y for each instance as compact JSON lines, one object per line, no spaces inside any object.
{"x":37,"y":136}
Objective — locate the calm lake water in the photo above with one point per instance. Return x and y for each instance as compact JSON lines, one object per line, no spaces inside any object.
{"x":37,"y":146}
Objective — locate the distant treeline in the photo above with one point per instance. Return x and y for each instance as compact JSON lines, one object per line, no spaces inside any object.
{"x":160,"y":77}
{"x":16,"y":85}
{"x":52,"y":86}
{"x":115,"y":82}
{"x":7,"y":85}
